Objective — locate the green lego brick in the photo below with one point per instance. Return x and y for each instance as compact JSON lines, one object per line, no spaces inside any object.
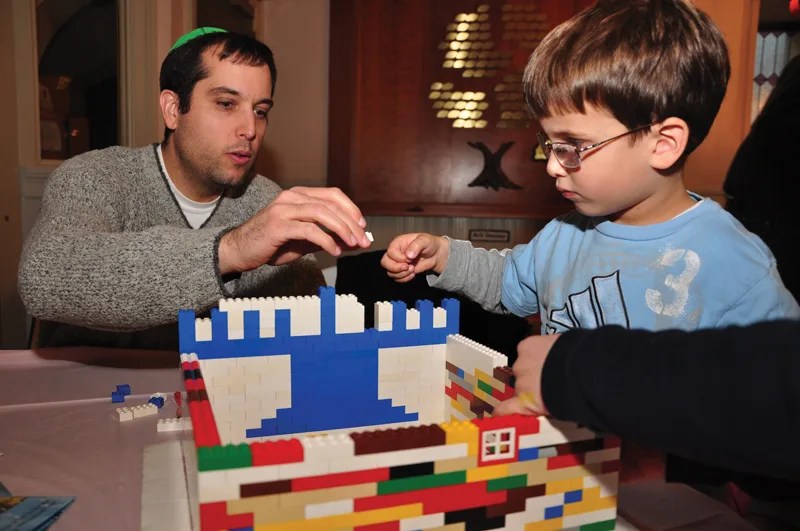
{"x":485,"y":387}
{"x":511,"y":482}
{"x":608,"y":525}
{"x":422,"y":482}
{"x":224,"y":457}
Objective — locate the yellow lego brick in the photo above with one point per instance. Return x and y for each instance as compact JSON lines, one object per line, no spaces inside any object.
{"x":462,"y":431}
{"x":485,"y":473}
{"x":545,"y":525}
{"x":461,"y":408}
{"x":590,"y":505}
{"x":327,"y":523}
{"x":564,"y":485}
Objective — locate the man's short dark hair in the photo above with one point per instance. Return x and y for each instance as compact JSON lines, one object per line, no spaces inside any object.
{"x":183,"y":66}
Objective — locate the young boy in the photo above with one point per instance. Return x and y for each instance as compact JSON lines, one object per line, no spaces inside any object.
{"x":624,"y":92}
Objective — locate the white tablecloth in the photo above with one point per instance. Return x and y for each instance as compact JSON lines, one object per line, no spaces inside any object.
{"x":60,"y":437}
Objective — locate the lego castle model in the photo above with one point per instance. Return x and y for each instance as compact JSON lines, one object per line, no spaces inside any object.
{"x":303,"y":419}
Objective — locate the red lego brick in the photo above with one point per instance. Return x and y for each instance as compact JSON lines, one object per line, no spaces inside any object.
{"x":437,"y":499}
{"x":339,"y":480}
{"x":277,"y":452}
{"x":214,"y":517}
{"x":564,"y":461}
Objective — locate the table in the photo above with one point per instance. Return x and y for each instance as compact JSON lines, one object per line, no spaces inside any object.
{"x":60,"y":437}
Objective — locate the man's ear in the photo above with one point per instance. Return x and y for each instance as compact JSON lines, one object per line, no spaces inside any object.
{"x":168,"y":100}
{"x":672,"y":135}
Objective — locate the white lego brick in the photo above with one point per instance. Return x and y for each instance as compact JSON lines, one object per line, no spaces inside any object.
{"x":306,"y":320}
{"x":383,"y":316}
{"x":216,"y":486}
{"x":318,"y":510}
{"x":577,"y":520}
{"x":369,"y":236}
{"x":349,"y":315}
{"x":439,"y":317}
{"x":202,"y":329}
{"x":174,"y":424}
{"x":124,"y":413}
{"x":328,"y":447}
{"x":235,"y":309}
{"x":144,"y":410}
{"x":412,"y":319}
{"x":550,"y":438}
{"x":266,"y":315}
{"x":469,"y":355}
{"x":428,"y":521}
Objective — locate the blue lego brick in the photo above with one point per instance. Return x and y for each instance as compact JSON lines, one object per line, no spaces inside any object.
{"x":125,"y":389}
{"x":553,"y":512}
{"x":528,"y":454}
{"x":117,"y":397}
{"x":573,"y":496}
{"x":156,"y":401}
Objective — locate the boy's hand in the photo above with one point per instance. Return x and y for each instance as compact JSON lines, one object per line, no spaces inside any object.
{"x":532,"y":353}
{"x":410,"y":254}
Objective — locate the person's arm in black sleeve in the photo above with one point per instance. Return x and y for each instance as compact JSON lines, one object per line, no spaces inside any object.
{"x":728,"y":397}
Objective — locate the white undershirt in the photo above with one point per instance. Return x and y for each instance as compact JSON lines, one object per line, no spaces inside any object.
{"x":196,"y":213}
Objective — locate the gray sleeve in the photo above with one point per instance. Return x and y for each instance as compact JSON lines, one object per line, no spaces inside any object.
{"x":80,"y":266}
{"x":475,"y":273}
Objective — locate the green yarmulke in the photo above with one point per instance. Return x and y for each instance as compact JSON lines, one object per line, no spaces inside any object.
{"x":197,"y":32}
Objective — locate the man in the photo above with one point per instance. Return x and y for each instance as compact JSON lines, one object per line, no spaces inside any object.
{"x":126,"y":237}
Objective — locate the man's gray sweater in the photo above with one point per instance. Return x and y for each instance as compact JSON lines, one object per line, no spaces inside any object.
{"x":112,"y":259}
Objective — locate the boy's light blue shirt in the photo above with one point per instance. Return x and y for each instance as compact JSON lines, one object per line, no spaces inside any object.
{"x":701,"y":269}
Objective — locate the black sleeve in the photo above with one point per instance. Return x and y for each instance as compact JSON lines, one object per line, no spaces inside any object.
{"x":726,"y":397}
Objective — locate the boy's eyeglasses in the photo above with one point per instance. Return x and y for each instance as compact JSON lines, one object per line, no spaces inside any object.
{"x":568,"y":153}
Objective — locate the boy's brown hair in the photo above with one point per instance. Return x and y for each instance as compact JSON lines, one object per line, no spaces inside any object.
{"x":641,"y":60}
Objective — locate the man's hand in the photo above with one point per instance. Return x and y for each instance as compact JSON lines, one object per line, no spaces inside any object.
{"x":410,"y":254}
{"x":299,"y":221}
{"x":531,"y":355}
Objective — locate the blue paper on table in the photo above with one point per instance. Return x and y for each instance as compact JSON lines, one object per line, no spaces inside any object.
{"x":31,"y":513}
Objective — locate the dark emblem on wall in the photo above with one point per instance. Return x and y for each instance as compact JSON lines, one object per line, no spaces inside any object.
{"x":492,"y":175}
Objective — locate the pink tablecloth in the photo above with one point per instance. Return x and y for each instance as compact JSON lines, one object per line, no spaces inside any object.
{"x":60,"y":437}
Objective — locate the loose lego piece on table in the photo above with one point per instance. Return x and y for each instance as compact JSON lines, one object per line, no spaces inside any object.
{"x":178,"y":397}
{"x":157,"y":399}
{"x":135,"y":412}
{"x":176,"y":424}
{"x":120,"y":393}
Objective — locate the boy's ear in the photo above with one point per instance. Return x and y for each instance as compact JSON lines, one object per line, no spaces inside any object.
{"x":672,"y":137}
{"x":168,"y":100}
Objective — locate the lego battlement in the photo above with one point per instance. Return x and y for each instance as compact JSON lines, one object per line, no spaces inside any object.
{"x":277,"y":325}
